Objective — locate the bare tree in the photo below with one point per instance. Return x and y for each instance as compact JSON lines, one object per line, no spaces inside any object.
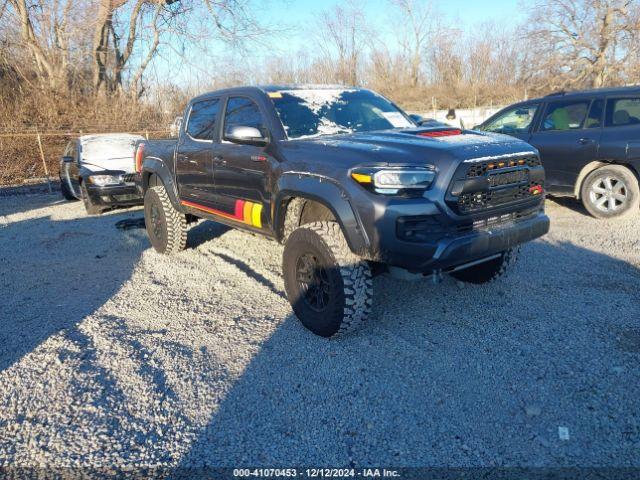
{"x":421,"y":28}
{"x":582,"y":42}
{"x":343,"y":33}
{"x":114,"y":40}
{"x":47,"y":31}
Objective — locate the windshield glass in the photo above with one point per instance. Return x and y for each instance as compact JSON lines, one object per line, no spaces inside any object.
{"x":307,"y":113}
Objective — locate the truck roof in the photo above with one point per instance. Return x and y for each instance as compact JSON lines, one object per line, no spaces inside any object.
{"x":272,"y":88}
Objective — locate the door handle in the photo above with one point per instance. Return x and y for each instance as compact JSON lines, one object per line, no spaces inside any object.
{"x":584,"y":141}
{"x":219,"y":160}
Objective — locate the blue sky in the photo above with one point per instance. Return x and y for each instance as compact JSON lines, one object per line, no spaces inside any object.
{"x":465,"y":14}
{"x":299,"y":18}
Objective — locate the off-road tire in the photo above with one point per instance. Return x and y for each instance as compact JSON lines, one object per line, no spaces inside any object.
{"x":66,"y":191}
{"x":613,"y":174}
{"x":89,"y":206}
{"x":349,"y":284}
{"x":488,"y":271}
{"x":292,"y":218}
{"x":166,"y":226}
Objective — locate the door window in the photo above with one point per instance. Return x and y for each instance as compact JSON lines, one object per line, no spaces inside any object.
{"x":244,"y":112}
{"x":594,"y":120}
{"x":202,"y":120}
{"x":515,"y":120}
{"x":623,"y":111}
{"x":565,"y":115}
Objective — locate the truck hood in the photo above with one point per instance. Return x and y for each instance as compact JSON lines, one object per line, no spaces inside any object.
{"x":402,"y":147}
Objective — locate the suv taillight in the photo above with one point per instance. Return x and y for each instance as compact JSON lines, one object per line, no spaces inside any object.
{"x":139,"y":157}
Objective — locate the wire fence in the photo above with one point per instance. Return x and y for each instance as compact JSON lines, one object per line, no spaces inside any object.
{"x":35,"y":152}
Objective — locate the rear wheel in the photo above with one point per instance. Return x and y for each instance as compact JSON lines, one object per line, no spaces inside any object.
{"x":488,"y":271}
{"x":90,"y":207}
{"x":329,"y":288}
{"x":166,"y":226}
{"x":610,"y":191}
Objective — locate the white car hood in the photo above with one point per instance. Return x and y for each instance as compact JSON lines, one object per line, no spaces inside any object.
{"x":108,"y":152}
{"x":98,"y":164}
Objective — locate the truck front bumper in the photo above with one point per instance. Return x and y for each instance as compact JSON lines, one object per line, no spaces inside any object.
{"x":451,"y":251}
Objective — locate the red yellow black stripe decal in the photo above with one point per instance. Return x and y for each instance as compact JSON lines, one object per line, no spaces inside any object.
{"x":245,"y":212}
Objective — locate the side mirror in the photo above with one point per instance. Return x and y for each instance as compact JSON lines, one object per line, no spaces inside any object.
{"x":67,"y":159}
{"x":245,"y":135}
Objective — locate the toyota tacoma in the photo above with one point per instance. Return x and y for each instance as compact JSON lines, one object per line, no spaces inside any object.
{"x":350,"y":184}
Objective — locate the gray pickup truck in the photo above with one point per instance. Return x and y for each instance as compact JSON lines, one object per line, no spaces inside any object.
{"x":350,"y":184}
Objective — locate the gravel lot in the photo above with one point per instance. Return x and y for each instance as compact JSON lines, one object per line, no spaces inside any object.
{"x":111,"y":354}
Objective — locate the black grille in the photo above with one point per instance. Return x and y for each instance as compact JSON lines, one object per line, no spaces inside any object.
{"x":480,"y":168}
{"x":476,"y":201}
{"x":426,"y":228}
{"x":129,"y":177}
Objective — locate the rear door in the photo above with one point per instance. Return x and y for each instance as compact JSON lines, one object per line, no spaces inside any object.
{"x":516,"y":121}
{"x":620,"y":141}
{"x":567,"y":137}
{"x":194,"y":156}
{"x":241,"y":171}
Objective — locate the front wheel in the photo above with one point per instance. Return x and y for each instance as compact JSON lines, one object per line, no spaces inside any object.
{"x":329,"y":287}
{"x":166,"y":226}
{"x":610,"y":191}
{"x":488,"y":271}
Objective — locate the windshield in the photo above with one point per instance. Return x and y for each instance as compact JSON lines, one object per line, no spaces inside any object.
{"x":315,"y":112}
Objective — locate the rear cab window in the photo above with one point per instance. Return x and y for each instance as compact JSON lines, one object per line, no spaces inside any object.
{"x":622,"y":112}
{"x":203,"y":119}
{"x":565,"y":115}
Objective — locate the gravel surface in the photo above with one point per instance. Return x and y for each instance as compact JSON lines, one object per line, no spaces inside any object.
{"x":111,"y":354}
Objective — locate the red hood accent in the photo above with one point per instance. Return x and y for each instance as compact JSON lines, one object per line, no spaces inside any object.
{"x":441,"y":133}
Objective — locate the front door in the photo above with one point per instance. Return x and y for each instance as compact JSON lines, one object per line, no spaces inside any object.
{"x":241,"y":171}
{"x":567,"y":138}
{"x":194,"y":156}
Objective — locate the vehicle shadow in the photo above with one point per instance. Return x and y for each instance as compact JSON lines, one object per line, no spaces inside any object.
{"x":569,"y":202}
{"x":55,"y":272}
{"x":15,"y":199}
{"x":447,"y":375}
{"x":204,"y":231}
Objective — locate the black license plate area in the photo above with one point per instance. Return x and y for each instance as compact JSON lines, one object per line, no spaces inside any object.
{"x":503,"y":179}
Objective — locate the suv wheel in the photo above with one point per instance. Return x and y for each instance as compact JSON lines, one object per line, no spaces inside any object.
{"x":89,"y":206}
{"x":488,"y":271}
{"x":610,"y":191}
{"x":329,"y":288}
{"x":166,"y":226}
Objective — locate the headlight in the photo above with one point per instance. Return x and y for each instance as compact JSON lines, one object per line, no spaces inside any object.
{"x":392,"y":180}
{"x":104,"y":180}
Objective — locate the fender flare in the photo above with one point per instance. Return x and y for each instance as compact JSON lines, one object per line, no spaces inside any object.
{"x":154,"y":165}
{"x":329,"y":193}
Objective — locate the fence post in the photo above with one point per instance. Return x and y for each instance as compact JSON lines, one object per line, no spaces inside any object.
{"x":44,"y":162}
{"x":147,"y":134}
